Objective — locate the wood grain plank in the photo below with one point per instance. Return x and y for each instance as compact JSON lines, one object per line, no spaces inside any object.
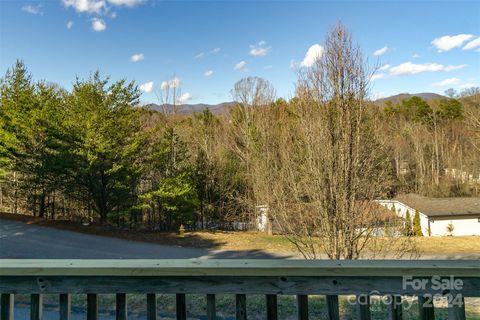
{"x":226,"y":285}
{"x":234,"y":267}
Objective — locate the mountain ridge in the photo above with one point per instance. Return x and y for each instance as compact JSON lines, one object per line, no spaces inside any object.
{"x":220,"y":107}
{"x":402,"y":96}
{"x":190,"y":108}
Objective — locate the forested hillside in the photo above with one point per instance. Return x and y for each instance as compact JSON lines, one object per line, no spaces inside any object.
{"x":94,"y":153}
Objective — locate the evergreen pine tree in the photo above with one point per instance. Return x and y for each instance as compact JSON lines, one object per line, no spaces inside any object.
{"x":417,"y":227}
{"x":408,"y":224}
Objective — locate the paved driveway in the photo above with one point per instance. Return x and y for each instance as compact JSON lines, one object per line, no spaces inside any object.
{"x":23,"y":241}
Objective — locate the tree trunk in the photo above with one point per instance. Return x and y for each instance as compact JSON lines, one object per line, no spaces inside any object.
{"x":41,"y":212}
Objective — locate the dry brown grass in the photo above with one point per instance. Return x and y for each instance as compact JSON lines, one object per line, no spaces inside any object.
{"x":429,"y":247}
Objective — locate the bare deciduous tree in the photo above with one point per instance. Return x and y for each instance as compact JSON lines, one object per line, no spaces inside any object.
{"x":332,"y":164}
{"x":168,"y":95}
{"x":251,"y":94}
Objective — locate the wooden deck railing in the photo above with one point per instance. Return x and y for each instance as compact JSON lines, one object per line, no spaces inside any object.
{"x":453,"y":279}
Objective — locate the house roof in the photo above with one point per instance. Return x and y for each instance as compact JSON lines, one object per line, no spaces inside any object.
{"x":442,"y":207}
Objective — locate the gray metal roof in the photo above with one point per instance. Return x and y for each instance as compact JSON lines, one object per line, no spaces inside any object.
{"x":442,"y":207}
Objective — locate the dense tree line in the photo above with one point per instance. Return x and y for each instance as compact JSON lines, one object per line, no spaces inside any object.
{"x":94,"y":153}
{"x":433,"y":145}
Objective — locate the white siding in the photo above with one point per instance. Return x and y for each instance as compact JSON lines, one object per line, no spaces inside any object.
{"x":401,"y":211}
{"x":461,"y":227}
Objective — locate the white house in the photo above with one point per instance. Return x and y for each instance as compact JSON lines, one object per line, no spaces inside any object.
{"x":438,"y":214}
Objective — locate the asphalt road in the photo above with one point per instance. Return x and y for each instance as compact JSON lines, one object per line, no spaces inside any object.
{"x":23,"y":241}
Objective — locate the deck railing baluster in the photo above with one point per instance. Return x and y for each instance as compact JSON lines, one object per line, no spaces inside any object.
{"x":211,"y":311}
{"x":121,"y":306}
{"x":302,"y":307}
{"x":151,"y":306}
{"x":332,"y":308}
{"x":363,"y":307}
{"x":456,"y":308}
{"x":395,"y":311}
{"x":425,"y":308}
{"x":64,"y":304}
{"x":7,"y":306}
{"x":181,"y":307}
{"x":36,"y":306}
{"x":271,"y":300}
{"x":241,"y":307}
{"x":92,"y":306}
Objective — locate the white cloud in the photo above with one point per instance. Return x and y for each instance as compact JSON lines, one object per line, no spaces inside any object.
{"x":260,"y":49}
{"x":69,"y":24}
{"x":268,"y":67}
{"x":35,"y":10}
{"x":184,"y":98}
{"x":147,"y":87}
{"x":208,"y":73}
{"x":173,"y":83}
{"x":98,"y":24}
{"x":415,"y":56}
{"x":408,"y":68}
{"x":384,"y":67}
{"x":89,"y":6}
{"x":446,"y":82}
{"x":128,"y":3}
{"x":200,"y":55}
{"x":451,"y":67}
{"x":377,"y":76}
{"x":447,"y":43}
{"x":380,"y":51}
{"x":216,"y":50}
{"x":99,"y":6}
{"x":137,"y":57}
{"x":313,"y":54}
{"x":472,"y":44}
{"x":240,"y":66}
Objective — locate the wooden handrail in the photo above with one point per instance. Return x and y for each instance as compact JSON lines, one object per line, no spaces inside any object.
{"x":234,"y":267}
{"x":240,"y":277}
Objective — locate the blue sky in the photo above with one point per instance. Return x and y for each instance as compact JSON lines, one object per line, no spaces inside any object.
{"x":208,"y":45}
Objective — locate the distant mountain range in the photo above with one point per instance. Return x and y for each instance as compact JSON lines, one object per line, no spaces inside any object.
{"x":190,"y":108}
{"x":403,"y":96}
{"x":220,"y":108}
